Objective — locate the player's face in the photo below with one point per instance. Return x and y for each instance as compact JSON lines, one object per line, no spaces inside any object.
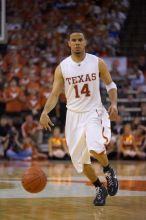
{"x":77,"y":43}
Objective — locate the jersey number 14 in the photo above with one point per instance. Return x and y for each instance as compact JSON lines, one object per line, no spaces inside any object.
{"x":85,"y":90}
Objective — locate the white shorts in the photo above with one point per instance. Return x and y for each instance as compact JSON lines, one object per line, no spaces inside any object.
{"x":85,"y":132}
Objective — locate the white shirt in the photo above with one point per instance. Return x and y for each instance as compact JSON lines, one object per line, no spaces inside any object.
{"x":82,"y":83}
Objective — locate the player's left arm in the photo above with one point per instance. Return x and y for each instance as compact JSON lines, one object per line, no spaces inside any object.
{"x":111,"y":89}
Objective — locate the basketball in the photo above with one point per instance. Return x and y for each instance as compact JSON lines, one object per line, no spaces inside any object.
{"x":34,"y":180}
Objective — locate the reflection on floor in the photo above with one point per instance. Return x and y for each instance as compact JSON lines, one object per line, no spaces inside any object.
{"x":69,"y":195}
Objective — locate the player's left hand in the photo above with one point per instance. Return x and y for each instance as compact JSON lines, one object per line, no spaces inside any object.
{"x":113,"y":112}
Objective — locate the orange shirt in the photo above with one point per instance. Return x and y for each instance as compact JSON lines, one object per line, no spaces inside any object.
{"x":44,"y":94}
{"x":27,"y":145}
{"x":128,"y":141}
{"x":13,"y":59}
{"x":16,"y":72}
{"x":56,"y":142}
{"x":12,"y":96}
{"x":33,"y":102}
{"x":27,"y":127}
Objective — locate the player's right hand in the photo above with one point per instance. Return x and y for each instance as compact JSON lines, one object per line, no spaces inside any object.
{"x":45,"y":121}
{"x":113,"y":112}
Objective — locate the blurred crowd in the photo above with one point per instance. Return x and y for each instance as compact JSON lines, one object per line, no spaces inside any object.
{"x":37,"y":42}
{"x":25,"y":143}
{"x":128,"y":140}
{"x":40,"y":31}
{"x":131,"y":88}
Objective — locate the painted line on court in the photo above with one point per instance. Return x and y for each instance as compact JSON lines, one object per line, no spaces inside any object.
{"x":79,"y":178}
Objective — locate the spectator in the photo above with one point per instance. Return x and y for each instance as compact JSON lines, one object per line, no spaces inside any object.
{"x":31,"y":128}
{"x":139,"y":138}
{"x":25,"y":79}
{"x":135,"y":123}
{"x":138,"y":81}
{"x":46,"y":76}
{"x":36,"y":155}
{"x":19,"y":151}
{"x":33,"y":82}
{"x":24,"y":151}
{"x":57,"y":145}
{"x":117,"y":130}
{"x":118,"y":127}
{"x":45,"y":92}
{"x":13,"y":97}
{"x":126,"y":145}
{"x":33,"y":102}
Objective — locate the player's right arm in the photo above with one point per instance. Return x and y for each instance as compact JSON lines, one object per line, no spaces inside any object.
{"x":52,"y":99}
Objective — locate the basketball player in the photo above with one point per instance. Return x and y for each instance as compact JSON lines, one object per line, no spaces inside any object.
{"x":87,"y":122}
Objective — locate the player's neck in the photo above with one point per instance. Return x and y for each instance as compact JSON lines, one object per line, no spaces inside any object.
{"x":78,"y":57}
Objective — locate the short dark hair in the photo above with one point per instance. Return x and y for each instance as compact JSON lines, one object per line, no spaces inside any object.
{"x":76,"y":31}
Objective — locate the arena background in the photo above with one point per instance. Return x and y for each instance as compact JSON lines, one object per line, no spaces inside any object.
{"x":33,"y":40}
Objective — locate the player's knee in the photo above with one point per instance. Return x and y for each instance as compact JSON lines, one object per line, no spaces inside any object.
{"x":94,"y":153}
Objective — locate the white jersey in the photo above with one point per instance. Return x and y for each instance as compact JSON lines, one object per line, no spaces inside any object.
{"x":82,"y":83}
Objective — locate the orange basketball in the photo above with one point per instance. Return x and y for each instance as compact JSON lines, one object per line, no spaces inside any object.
{"x":34,"y":180}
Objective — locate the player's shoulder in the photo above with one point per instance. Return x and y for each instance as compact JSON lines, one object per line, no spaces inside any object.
{"x":65,"y":60}
{"x":92,"y":57}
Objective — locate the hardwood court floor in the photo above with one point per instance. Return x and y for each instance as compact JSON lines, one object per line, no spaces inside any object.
{"x":69,"y":196}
